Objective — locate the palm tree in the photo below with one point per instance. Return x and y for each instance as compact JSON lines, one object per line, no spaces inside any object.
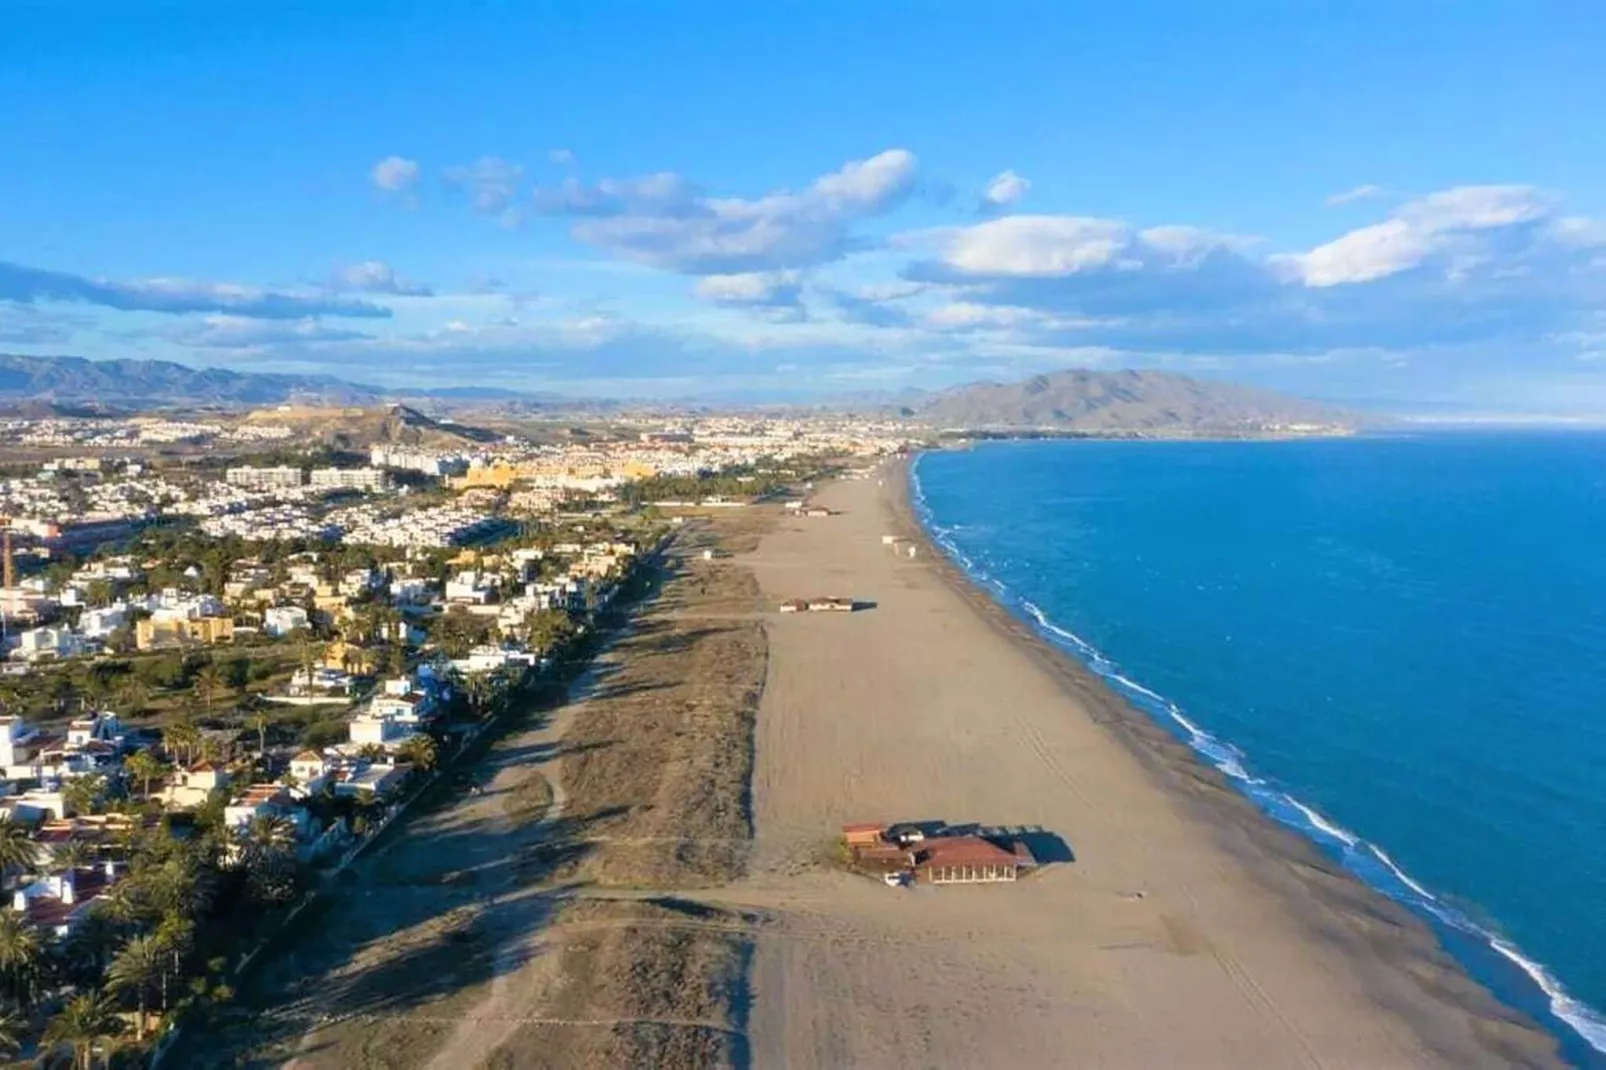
{"x":17,"y":848}
{"x":72,"y":853}
{"x":260,"y":721}
{"x":145,"y":767}
{"x":270,"y":829}
{"x":209,"y":683}
{"x":420,"y":751}
{"x":80,"y":794}
{"x":86,"y":1019}
{"x":22,"y":957}
{"x":176,"y":937}
{"x":138,"y":969}
{"x":92,"y":943}
{"x":180,"y":739}
{"x":12,"y":1026}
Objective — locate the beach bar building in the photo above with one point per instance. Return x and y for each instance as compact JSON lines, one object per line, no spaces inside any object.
{"x":969,"y":860}
{"x":940,"y":857}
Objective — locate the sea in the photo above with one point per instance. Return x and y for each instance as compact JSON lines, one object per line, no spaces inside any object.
{"x":1394,"y":644}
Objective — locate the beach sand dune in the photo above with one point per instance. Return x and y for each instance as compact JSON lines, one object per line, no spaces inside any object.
{"x":1188,"y":930}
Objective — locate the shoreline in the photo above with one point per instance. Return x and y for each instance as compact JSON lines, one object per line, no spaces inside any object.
{"x":1279,"y":856}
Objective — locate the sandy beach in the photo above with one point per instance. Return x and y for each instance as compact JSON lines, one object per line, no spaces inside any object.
{"x":1188,"y":931}
{"x":677,"y":900}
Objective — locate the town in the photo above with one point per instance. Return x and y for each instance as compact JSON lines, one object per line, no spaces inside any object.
{"x":231,"y":662}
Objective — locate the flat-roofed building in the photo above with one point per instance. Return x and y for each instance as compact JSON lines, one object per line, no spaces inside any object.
{"x":265,"y":478}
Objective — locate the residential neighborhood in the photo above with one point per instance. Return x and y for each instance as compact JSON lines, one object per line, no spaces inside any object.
{"x":219,"y":681}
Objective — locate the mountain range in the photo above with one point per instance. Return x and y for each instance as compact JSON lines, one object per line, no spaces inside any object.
{"x":1074,"y":400}
{"x":1095,"y":402}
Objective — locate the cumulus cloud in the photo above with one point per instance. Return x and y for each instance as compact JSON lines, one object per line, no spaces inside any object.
{"x":377,"y":277}
{"x":777,"y":295}
{"x":27,"y":285}
{"x":667,"y":222}
{"x":1455,"y":228}
{"x":1466,"y":266}
{"x":1359,"y":193}
{"x":491,"y":183}
{"x":561,"y":157}
{"x":1004,"y":190}
{"x":395,"y":174}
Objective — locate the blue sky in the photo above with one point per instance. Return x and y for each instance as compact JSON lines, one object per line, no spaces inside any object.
{"x":1401,"y":205}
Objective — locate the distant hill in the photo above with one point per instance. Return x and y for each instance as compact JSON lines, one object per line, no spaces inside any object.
{"x":363,"y":427}
{"x":155,"y":383}
{"x":1080,"y":400}
{"x":147,"y":384}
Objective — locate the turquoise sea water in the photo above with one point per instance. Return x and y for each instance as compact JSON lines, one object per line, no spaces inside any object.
{"x":1395,"y":644}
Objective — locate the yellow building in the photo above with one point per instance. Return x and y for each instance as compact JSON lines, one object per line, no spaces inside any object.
{"x":151,"y":633}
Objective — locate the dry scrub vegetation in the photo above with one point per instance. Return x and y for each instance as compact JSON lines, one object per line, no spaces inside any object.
{"x":657,"y":983}
{"x":657,"y":764}
{"x":656,"y":773}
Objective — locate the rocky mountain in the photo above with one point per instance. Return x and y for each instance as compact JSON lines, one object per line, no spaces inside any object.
{"x":155,"y":383}
{"x":1092,"y":402}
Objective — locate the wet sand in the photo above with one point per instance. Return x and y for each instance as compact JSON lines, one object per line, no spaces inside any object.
{"x":1188,"y":931}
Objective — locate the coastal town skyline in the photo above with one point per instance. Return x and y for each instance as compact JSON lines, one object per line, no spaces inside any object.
{"x":628,"y":203}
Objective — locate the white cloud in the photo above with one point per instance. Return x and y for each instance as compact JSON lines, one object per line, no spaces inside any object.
{"x":1359,"y":193}
{"x":491,"y":182}
{"x":1005,"y":189}
{"x":1050,"y":246}
{"x":237,"y":332}
{"x":1451,"y":225}
{"x":750,"y":288}
{"x":776,"y":295}
{"x":666,"y":222}
{"x":1483,"y":266}
{"x":395,"y":174}
{"x":377,"y":277}
{"x":967,"y":315}
{"x":561,"y":157}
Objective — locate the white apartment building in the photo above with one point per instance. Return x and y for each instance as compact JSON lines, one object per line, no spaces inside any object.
{"x":265,"y":478}
{"x":366,"y":479}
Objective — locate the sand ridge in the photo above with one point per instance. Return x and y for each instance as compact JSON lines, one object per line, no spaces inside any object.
{"x":1189,"y":930}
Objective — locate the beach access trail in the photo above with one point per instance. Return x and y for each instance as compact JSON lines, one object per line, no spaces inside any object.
{"x":1188,"y":931}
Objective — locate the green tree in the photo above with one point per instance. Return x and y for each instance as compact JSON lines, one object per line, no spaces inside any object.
{"x":12,"y":1026}
{"x":181,"y":739}
{"x":22,"y":958}
{"x":420,"y":751}
{"x":92,"y":944}
{"x":17,"y":847}
{"x":209,"y":684}
{"x":86,"y":1020}
{"x":176,"y":937}
{"x":81,"y":793}
{"x":144,"y":766}
{"x":69,"y":855}
{"x":135,"y":972}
